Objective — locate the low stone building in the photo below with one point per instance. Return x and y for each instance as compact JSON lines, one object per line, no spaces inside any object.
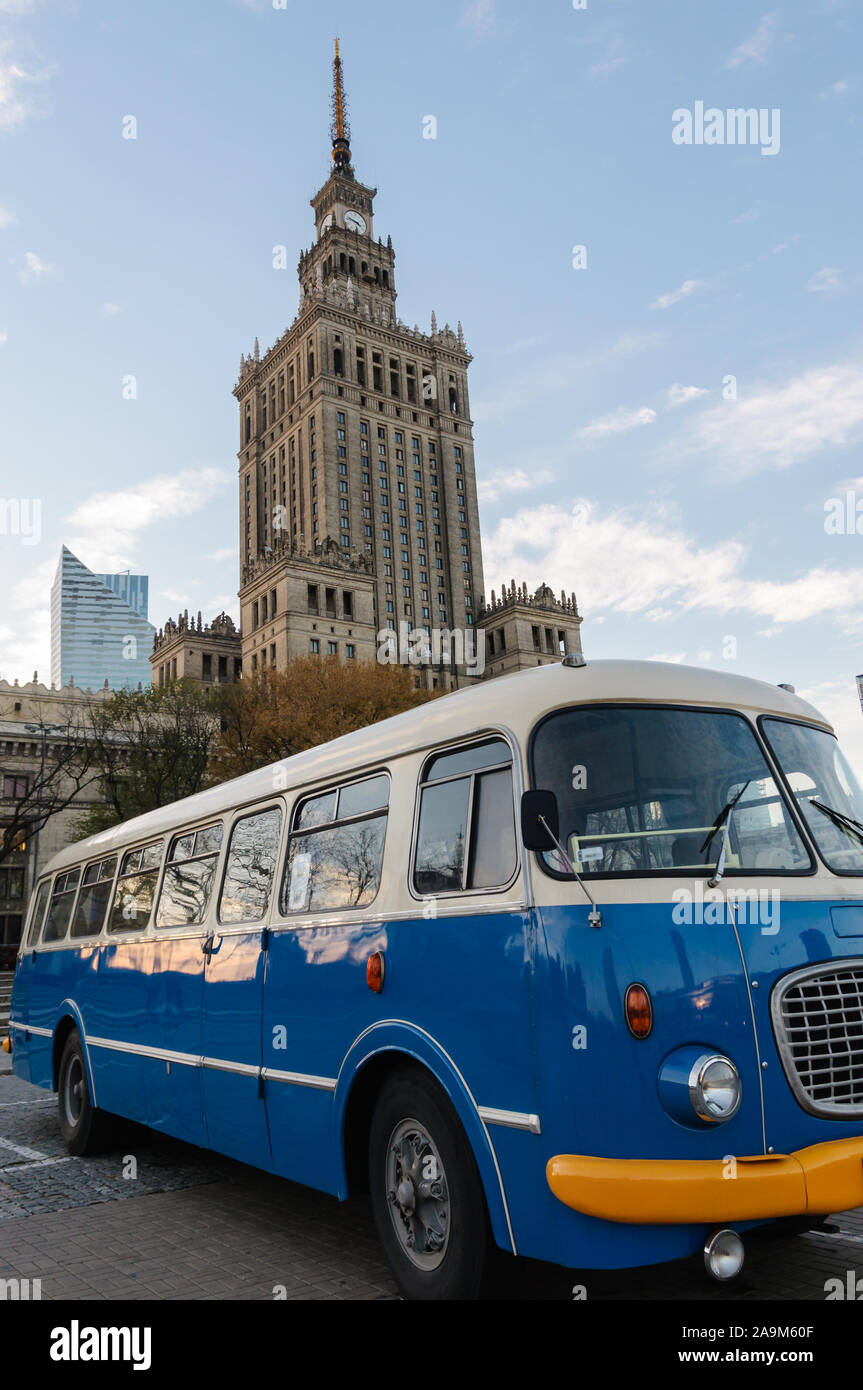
{"x":523,"y":629}
{"x":34,"y":720}
{"x":186,"y":649}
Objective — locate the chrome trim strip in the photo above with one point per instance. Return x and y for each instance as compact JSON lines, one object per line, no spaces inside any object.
{"x":510,"y":1119}
{"x":299,"y":1078}
{"x":747,"y":979}
{"x":31,"y":1028}
{"x":158,"y":1054}
{"x":239,"y":1068}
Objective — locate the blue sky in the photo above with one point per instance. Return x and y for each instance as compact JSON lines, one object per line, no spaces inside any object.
{"x":613,"y":455}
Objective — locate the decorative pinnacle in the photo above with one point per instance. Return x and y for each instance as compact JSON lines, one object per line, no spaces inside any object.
{"x":340,"y":130}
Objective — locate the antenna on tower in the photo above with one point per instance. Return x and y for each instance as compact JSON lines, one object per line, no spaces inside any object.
{"x":340,"y":130}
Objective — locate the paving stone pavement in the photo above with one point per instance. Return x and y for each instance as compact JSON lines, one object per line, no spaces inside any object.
{"x":192,"y":1225}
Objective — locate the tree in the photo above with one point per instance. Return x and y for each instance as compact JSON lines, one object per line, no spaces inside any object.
{"x":150,"y":748}
{"x":66,"y":770}
{"x":278,"y":713}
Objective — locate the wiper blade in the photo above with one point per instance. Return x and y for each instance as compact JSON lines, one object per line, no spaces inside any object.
{"x":723,"y":816}
{"x":838,"y":818}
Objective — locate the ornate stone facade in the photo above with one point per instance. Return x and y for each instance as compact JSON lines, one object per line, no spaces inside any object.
{"x":210,"y":653}
{"x":523,"y":629}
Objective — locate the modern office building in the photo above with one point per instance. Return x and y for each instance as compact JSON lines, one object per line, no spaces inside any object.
{"x":133,"y":589}
{"x":97,"y":637}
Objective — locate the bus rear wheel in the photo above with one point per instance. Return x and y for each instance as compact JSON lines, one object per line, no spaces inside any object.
{"x":85,"y":1129}
{"x":427,"y":1196}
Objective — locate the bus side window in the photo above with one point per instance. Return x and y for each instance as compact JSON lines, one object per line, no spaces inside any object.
{"x":466,"y":829}
{"x":189,"y":876}
{"x":252,"y":854}
{"x":60,"y":907}
{"x":336,"y":848}
{"x":38,"y":911}
{"x":136,"y":888}
{"x":94,"y":898}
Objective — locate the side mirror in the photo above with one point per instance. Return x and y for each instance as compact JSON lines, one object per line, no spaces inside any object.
{"x":533,"y":832}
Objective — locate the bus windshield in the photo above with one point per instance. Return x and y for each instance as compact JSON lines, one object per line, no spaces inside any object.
{"x":827,"y":792}
{"x":645,"y":790}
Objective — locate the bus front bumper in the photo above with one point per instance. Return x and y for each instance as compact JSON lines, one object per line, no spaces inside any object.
{"x":815,"y":1181}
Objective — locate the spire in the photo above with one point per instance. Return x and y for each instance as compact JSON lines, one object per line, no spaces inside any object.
{"x":340,"y":130}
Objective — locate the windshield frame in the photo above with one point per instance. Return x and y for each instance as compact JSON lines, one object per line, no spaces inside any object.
{"x":782,"y":789}
{"x":789,"y":791}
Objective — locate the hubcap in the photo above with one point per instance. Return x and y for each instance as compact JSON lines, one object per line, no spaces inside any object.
{"x":418,"y":1195}
{"x":73,"y":1091}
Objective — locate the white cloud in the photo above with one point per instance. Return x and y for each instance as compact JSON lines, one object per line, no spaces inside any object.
{"x":108,"y":310}
{"x":687,"y":288}
{"x":836,"y":89}
{"x":682,"y":395}
{"x":615,"y":56}
{"x":21,"y":94}
{"x":755,"y":49}
{"x":35,"y":269}
{"x":7,"y":217}
{"x":4,"y":337}
{"x":778,"y":426}
{"x":108,"y":522}
{"x":509,"y":480}
{"x":667,"y":572}
{"x":825,"y":281}
{"x":751,"y":215}
{"x":674,"y":657}
{"x":479,"y":16}
{"x":16,"y":6}
{"x":220,"y":556}
{"x":619,"y":421}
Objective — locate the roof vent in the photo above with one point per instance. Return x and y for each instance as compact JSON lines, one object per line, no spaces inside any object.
{"x":574,"y":659}
{"x":789,"y":688}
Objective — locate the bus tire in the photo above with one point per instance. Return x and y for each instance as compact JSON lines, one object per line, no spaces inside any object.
{"x":85,"y":1129}
{"x":427,"y":1196}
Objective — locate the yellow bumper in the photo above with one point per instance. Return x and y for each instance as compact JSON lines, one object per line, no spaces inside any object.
{"x":645,"y":1191}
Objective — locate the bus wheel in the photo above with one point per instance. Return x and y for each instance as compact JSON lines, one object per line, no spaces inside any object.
{"x":427,"y":1196}
{"x":85,"y":1129}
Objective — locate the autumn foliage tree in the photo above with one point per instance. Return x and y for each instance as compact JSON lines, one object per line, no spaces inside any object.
{"x":278,"y":713}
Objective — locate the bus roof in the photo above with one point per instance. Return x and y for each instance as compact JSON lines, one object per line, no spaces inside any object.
{"x":515,"y":701}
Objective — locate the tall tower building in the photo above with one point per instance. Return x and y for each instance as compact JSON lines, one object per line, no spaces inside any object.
{"x":358,"y":506}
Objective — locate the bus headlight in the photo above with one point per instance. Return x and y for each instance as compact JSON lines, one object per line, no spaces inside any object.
{"x":714,"y":1087}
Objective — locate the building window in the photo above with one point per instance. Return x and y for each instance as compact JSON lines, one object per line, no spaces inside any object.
{"x":332,"y":648}
{"x":206,"y":667}
{"x":314,"y":646}
{"x":350,"y":651}
{"x":14,"y":788}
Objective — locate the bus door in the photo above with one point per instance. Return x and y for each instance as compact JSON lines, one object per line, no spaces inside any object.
{"x":234,"y":955}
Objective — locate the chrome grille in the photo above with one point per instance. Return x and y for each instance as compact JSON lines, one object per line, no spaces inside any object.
{"x":818,"y":1023}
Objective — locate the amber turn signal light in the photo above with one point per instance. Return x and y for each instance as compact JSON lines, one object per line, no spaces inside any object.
{"x":639,"y":1011}
{"x":375,"y":971}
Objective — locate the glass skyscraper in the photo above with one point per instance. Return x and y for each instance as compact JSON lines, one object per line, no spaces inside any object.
{"x":99,"y":628}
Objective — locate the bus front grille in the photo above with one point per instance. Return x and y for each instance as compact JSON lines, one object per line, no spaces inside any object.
{"x":818,"y":1024}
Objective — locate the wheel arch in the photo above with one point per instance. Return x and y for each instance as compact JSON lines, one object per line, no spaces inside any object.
{"x":377,"y":1054}
{"x":69,"y":1021}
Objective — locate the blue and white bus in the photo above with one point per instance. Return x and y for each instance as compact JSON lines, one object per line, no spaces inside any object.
{"x":567,"y":965}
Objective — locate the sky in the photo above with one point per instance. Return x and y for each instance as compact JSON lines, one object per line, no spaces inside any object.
{"x":667,"y":385}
